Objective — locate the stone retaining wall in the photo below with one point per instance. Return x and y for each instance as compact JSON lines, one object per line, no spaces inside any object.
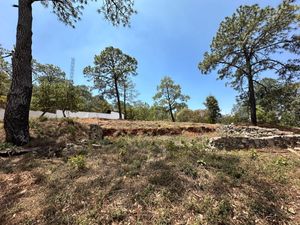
{"x":231,"y":143}
{"x":235,"y":137}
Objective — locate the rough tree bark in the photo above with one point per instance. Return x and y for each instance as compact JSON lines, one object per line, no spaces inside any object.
{"x":252,"y":101}
{"x":170,"y":107}
{"x":124,"y":101}
{"x":172,"y":116}
{"x":118,"y":97}
{"x":16,"y":119}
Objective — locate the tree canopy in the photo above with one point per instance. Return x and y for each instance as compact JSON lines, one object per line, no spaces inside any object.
{"x":213,"y":109}
{"x":277,"y":102}
{"x":249,"y":42}
{"x":169,"y":96}
{"x":111,"y":69}
{"x":118,"y":12}
{"x":16,"y":118}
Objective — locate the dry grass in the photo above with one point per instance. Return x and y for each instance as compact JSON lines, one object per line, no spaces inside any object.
{"x":151,"y":128}
{"x":146,"y":180}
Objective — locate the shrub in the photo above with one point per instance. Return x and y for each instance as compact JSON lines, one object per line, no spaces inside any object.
{"x":195,"y":116}
{"x":254,"y":155}
{"x":43,"y":118}
{"x":77,"y":162}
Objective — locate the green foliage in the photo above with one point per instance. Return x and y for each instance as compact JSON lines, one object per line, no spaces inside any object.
{"x":227,"y":119}
{"x":77,"y":162}
{"x":139,"y":111}
{"x":4,"y":82}
{"x":118,"y":215}
{"x":5,"y":145}
{"x":128,"y":93}
{"x":112,"y":70}
{"x":118,"y":12}
{"x":43,"y":118}
{"x":90,"y":103}
{"x":240,"y":112}
{"x":195,"y":116}
{"x":253,"y":155}
{"x":5,"y":72}
{"x":277,"y":103}
{"x":67,"y":96}
{"x":46,"y":78}
{"x":212,"y":107}
{"x":269,"y":117}
{"x":169,"y":96}
{"x":189,"y":170}
{"x":246,"y":43}
{"x":52,"y":91}
{"x":281,"y":162}
{"x":221,"y":214}
{"x":44,"y":97}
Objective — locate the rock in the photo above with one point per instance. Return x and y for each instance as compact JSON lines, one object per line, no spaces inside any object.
{"x":253,"y":137}
{"x":95,"y":132}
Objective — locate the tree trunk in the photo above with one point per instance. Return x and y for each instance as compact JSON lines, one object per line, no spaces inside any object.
{"x":16,"y":118}
{"x":252,"y":101}
{"x":43,"y":114}
{"x":172,"y":116}
{"x":124,"y":101}
{"x":170,"y":107}
{"x":118,"y":99}
{"x":64,"y":113}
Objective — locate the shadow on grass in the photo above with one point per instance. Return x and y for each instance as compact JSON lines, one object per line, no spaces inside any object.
{"x":264,"y":198}
{"x":121,"y":178}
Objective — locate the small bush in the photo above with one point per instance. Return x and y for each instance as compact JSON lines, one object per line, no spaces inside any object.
{"x":43,"y":118}
{"x":77,"y":161}
{"x":118,"y":215}
{"x":5,"y":145}
{"x":281,"y":162}
{"x":254,"y":155}
{"x":68,"y":120}
{"x":190,"y":171}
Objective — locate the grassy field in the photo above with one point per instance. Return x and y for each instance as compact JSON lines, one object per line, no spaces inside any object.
{"x":144,"y":179}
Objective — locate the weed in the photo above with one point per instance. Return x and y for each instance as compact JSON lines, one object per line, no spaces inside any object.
{"x":77,"y":161}
{"x":118,"y":215}
{"x":201,"y":162}
{"x":43,"y":118}
{"x":164,"y":217}
{"x":189,"y":170}
{"x":5,"y":145}
{"x":193,"y":205}
{"x":143,"y":196}
{"x":33,"y":123}
{"x":253,"y":155}
{"x":220,"y":214}
{"x":68,"y":120}
{"x":281,"y":162}
{"x":171,"y":146}
{"x":71,"y":130}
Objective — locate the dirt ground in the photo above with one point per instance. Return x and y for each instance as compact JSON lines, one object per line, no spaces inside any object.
{"x":139,"y":174}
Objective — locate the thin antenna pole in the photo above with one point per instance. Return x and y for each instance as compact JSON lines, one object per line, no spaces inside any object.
{"x":72,"y":69}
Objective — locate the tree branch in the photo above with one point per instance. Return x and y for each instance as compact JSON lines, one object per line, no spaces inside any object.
{"x":265,"y":87}
{"x":230,"y":64}
{"x":6,"y":56}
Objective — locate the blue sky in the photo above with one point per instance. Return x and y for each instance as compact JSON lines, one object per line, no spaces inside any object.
{"x":167,"y":37}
